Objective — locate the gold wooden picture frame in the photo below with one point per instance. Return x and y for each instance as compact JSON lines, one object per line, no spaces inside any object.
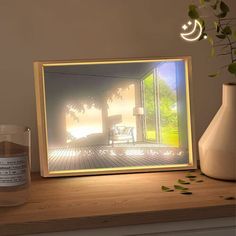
{"x":114,"y":116}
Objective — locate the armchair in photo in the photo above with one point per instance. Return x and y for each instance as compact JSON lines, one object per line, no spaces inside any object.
{"x":121,"y":134}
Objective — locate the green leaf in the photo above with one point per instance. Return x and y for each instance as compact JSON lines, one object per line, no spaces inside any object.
{"x":234,"y":34}
{"x":202,"y":22}
{"x":221,"y":36}
{"x":227,"y":30}
{"x":199,"y":181}
{"x":178,"y":187}
{"x":224,"y":7}
{"x":166,"y":189}
{"x":193,"y":13}
{"x":191,"y":176}
{"x":180,"y":181}
{"x":217,"y":27}
{"x":215,"y":5}
{"x":232,"y":68}
{"x":222,"y":15}
{"x":169,"y":190}
{"x":211,"y":41}
{"x":186,"y":192}
{"x":212,"y":76}
{"x":202,"y":2}
{"x":213,"y":51}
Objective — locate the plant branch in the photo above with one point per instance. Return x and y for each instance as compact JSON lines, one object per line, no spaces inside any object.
{"x":229,"y":42}
{"x":224,"y":44}
{"x":213,"y":28}
{"x":221,"y":47}
{"x":222,"y":36}
{"x":225,"y":19}
{"x":224,"y":54}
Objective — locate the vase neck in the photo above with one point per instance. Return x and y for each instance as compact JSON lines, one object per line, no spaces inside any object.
{"x":229,"y":94}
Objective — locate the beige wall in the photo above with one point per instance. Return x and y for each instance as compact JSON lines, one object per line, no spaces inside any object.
{"x":33,"y":30}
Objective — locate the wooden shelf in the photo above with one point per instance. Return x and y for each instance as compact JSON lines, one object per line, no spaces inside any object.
{"x":72,"y":203}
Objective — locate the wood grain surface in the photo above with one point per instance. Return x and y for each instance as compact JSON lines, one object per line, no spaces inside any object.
{"x":72,"y":203}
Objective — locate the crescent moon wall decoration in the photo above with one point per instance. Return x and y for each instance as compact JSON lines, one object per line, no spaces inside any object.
{"x":194,"y":34}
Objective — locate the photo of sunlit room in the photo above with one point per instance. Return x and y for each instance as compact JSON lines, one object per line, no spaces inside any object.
{"x":116,"y":115}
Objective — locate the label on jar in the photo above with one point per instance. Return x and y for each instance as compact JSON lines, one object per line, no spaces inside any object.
{"x":13,"y":171}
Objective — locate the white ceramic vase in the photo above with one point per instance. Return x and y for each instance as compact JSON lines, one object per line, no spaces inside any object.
{"x":217,"y":146}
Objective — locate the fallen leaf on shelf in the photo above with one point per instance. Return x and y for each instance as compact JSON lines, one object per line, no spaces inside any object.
{"x":180,"y":187}
{"x":183,"y":181}
{"x":166,"y":189}
{"x":186,"y":192}
{"x":229,"y":198}
{"x":191,"y":176}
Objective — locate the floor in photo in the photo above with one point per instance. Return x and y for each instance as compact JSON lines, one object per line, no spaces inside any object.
{"x":123,"y":155}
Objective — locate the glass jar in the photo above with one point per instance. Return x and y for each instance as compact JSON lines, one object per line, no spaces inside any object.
{"x":15,"y":151}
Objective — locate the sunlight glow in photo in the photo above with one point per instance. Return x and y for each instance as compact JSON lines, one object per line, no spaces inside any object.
{"x":81,"y":124}
{"x":123,"y":105}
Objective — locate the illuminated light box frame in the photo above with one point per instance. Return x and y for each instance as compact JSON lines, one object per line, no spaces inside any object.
{"x":114,"y":116}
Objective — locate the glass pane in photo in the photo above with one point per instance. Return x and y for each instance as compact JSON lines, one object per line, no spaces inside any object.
{"x":168,"y":108}
{"x":149,"y":97}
